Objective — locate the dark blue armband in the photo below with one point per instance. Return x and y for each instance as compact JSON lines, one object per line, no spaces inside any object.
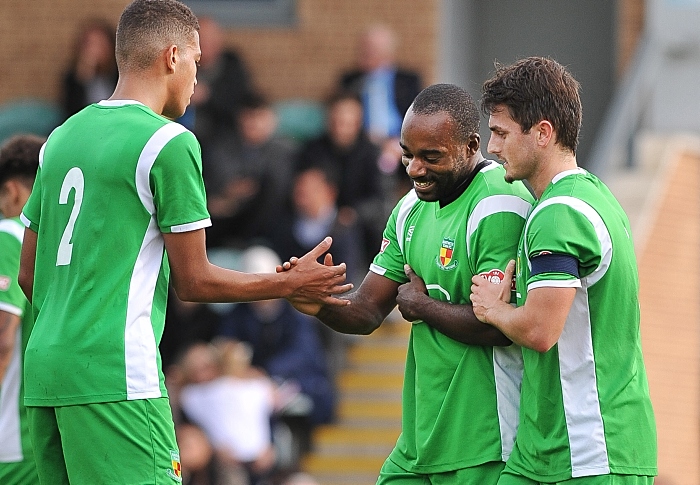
{"x":554,"y":263}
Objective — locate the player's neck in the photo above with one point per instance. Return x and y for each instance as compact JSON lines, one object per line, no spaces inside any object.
{"x":141,"y":88}
{"x":549,"y":168}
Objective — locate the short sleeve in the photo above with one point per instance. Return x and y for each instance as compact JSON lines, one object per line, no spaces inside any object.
{"x":562,"y":229}
{"x":177,"y":186}
{"x":389,"y":262}
{"x":493,"y":233}
{"x":12,"y":298}
{"x":31,"y":212}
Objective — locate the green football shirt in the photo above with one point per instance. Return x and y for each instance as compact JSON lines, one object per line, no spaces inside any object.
{"x":111,"y":180}
{"x":585,"y":406}
{"x":460,"y":402}
{"x":14,"y":430}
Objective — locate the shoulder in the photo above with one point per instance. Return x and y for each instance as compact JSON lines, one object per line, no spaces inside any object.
{"x":492,"y":182}
{"x":12,"y":228}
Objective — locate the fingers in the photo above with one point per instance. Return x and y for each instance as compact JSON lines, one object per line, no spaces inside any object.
{"x":510,"y":270}
{"x":409,"y":271}
{"x":320,"y":248}
{"x":331,"y":300}
{"x":328,"y":259}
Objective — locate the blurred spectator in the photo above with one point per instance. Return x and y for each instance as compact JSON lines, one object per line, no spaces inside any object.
{"x":300,"y":479}
{"x":247,"y":180}
{"x":233,"y":403}
{"x":287,"y":345}
{"x":185,"y":323}
{"x":222,"y":83}
{"x":386,"y":91}
{"x":92,"y":75}
{"x":315,"y":213}
{"x":196,"y":455}
{"x":350,"y":158}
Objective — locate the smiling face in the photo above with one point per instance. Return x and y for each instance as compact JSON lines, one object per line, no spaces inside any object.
{"x":435,"y":159}
{"x":511,"y":145}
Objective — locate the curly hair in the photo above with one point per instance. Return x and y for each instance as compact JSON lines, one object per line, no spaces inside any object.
{"x":19,"y":158}
{"x":452,"y":100}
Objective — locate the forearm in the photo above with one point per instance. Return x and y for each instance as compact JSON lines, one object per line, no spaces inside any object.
{"x":459,"y":323}
{"x":358,"y":318}
{"x":539,"y":322}
{"x":214,"y":284}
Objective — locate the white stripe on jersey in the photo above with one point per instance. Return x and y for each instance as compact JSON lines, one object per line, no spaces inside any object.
{"x":10,"y":436}
{"x":584,"y":420}
{"x":12,"y":228}
{"x":192,"y":226}
{"x":377,"y":269}
{"x":494,"y":204}
{"x":142,"y":377}
{"x":508,"y":373}
{"x":408,"y":202}
{"x":11,"y":309}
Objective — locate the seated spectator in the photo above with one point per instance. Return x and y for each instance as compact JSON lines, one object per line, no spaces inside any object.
{"x":92,"y":75}
{"x":247,"y":180}
{"x":233,"y":403}
{"x":286,"y":344}
{"x":386,"y":90}
{"x":350,"y":158}
{"x":223,"y":81}
{"x":315,"y":213}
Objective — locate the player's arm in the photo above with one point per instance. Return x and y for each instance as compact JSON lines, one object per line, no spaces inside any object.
{"x":9,"y":323}
{"x":196,"y":279}
{"x":456,"y":321}
{"x":370,"y":304}
{"x":537,"y":324}
{"x":26,"y":263}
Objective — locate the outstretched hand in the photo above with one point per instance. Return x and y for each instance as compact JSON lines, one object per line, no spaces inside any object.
{"x":486,"y":296}
{"x":410,"y":296}
{"x":318,"y":283}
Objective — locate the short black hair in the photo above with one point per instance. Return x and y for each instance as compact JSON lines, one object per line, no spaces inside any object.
{"x":535,"y":89}
{"x":19,"y":158}
{"x":147,"y":26}
{"x":454,"y":101}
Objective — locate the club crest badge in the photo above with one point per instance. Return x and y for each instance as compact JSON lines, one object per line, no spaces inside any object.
{"x":176,"y":472}
{"x":445,"y":260}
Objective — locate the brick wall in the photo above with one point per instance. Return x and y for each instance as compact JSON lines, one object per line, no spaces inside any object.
{"x":630,"y":27}
{"x":669,"y":274}
{"x":302,"y":61}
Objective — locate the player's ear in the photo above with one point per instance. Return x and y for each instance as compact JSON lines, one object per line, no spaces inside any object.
{"x":545,"y":132}
{"x":474,"y":144}
{"x":171,"y":55}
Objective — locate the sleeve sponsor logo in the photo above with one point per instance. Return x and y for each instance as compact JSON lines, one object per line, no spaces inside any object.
{"x":5,"y":282}
{"x":385,"y":244}
{"x":494,"y":276}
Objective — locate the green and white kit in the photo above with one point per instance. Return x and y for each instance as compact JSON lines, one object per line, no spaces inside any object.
{"x":460,"y":402}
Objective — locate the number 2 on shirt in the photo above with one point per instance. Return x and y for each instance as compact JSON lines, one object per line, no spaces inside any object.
{"x":74,"y":180}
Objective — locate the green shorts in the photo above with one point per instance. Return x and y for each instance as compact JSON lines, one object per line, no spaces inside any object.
{"x":126,"y":442}
{"x":485,"y":474}
{"x":508,"y":477}
{"x":19,"y":472}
